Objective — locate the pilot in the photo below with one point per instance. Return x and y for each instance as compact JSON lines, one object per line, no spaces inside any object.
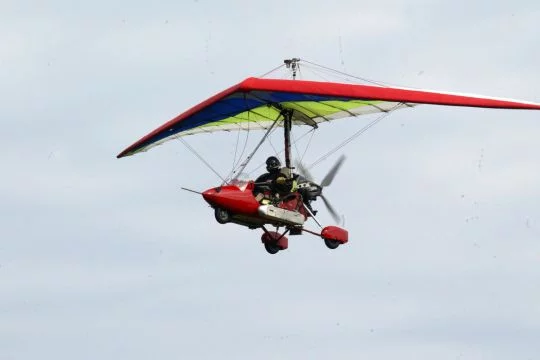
{"x":275,"y":181}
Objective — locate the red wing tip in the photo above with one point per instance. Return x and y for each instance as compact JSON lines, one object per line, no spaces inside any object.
{"x":122,"y":154}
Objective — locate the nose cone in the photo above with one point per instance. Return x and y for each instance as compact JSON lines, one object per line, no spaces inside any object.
{"x":232,"y":199}
{"x":212,"y":196}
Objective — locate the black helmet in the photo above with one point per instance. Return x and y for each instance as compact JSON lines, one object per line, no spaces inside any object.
{"x":272,"y":164}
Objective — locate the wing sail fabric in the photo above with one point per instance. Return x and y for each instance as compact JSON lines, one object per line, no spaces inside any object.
{"x":255,"y":104}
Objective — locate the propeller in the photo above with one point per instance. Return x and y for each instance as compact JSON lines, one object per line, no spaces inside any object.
{"x":325,"y":182}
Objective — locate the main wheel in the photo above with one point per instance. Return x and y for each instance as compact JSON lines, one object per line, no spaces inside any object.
{"x":271,"y":248}
{"x":331,"y":244}
{"x":222,"y":216}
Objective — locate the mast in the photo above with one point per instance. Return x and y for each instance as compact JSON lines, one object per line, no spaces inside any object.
{"x":287,"y":115}
{"x":287,"y":124}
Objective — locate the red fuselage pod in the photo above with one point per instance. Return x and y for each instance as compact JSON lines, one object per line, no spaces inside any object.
{"x":233,"y":199}
{"x":335,"y":233}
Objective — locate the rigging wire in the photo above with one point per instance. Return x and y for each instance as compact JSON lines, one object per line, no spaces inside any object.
{"x":271,"y":144}
{"x":236,"y":163}
{"x":245,"y":144}
{"x":234,"y":169}
{"x":295,"y":143}
{"x":332,"y":74}
{"x":354,"y":136}
{"x":347,"y":75}
{"x":190,"y":148}
{"x":250,"y":156}
{"x":236,"y":149}
{"x":308,"y":144}
{"x":316,"y":73}
{"x":344,"y":74}
{"x":271,"y":71}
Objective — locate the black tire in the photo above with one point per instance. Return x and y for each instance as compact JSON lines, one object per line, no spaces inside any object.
{"x":222,"y":216}
{"x":331,"y":244}
{"x":271,"y":248}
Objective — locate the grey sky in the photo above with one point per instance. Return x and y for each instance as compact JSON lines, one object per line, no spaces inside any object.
{"x":106,"y":258}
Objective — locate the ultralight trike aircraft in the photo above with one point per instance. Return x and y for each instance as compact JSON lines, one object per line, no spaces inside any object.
{"x":262,"y":103}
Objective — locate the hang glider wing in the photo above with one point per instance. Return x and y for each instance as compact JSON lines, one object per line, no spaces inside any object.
{"x":256,"y":103}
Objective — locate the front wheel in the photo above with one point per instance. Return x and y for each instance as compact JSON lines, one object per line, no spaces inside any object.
{"x":222,"y":216}
{"x":271,"y":248}
{"x":331,"y":244}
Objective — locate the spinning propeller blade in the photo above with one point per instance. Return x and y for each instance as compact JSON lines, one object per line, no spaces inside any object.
{"x":333,"y":171}
{"x":302,"y":170}
{"x":331,"y":209}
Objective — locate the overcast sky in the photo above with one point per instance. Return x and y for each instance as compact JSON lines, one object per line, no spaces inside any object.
{"x":103,"y":258}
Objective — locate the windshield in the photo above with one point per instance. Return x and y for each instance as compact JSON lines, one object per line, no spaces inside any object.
{"x":242,"y":184}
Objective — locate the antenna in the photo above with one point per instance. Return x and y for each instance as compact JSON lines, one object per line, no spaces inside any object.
{"x":292,"y":64}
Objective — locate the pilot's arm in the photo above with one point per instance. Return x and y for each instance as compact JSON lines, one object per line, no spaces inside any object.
{"x":263,"y":183}
{"x":284,"y":184}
